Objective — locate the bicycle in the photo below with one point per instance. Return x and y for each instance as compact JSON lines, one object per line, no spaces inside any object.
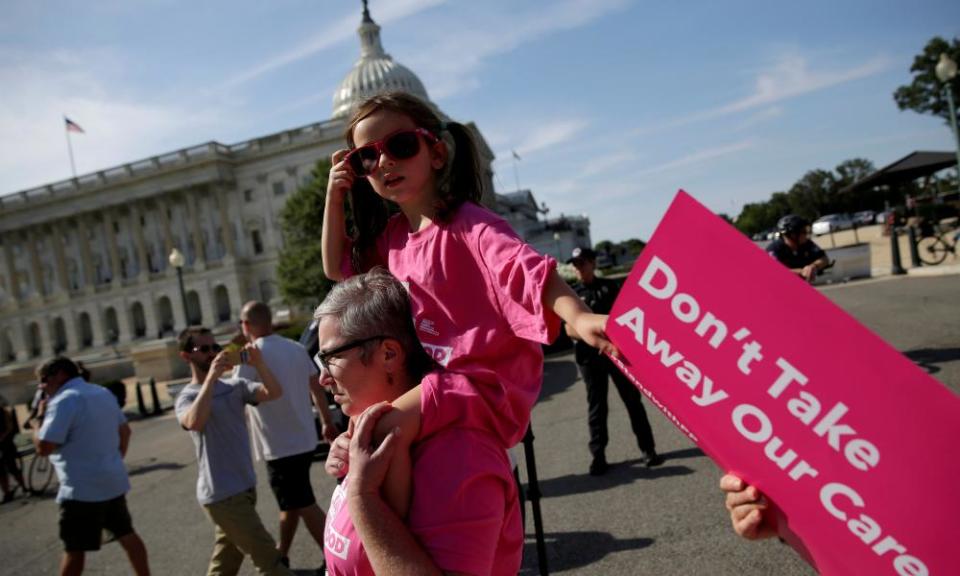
{"x":935,"y":244}
{"x":39,"y":474}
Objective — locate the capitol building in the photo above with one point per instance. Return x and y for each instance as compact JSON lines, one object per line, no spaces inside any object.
{"x":86,"y":262}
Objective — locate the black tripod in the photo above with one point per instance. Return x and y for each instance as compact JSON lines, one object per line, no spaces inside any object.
{"x":533,"y":494}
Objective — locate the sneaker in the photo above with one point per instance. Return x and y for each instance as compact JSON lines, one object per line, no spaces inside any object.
{"x":599,"y":465}
{"x":7,"y":497}
{"x":651,"y":459}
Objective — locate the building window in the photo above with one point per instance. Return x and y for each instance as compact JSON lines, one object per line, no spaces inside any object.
{"x":278,"y":189}
{"x":257,"y":242}
{"x":248,"y":195}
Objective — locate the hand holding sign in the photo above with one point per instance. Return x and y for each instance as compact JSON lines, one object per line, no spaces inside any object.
{"x":822,"y":425}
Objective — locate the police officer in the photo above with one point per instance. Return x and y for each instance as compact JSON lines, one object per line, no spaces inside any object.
{"x":596,"y":369}
{"x":795,"y":250}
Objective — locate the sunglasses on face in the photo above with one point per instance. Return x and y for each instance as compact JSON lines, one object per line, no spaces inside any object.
{"x":207,"y":348}
{"x":322,"y":357}
{"x":401,"y":145}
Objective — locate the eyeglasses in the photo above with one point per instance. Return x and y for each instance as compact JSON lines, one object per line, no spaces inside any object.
{"x":401,"y":145}
{"x":322,"y":357}
{"x":207,"y":348}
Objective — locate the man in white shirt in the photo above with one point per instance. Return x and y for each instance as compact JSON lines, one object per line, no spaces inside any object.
{"x":284,"y":431}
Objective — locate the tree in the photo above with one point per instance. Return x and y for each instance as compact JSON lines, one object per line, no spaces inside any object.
{"x":925,"y":94}
{"x":725,"y":217}
{"x":603,"y":246}
{"x":633,"y":245}
{"x":300,"y":269}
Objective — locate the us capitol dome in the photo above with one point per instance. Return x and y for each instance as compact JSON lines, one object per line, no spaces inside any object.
{"x":375,"y":72}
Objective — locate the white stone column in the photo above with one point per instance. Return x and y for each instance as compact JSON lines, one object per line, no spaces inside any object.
{"x":86,"y":260}
{"x":236,"y":297}
{"x":19,"y":332}
{"x":200,"y":260}
{"x":167,"y":233}
{"x":13,"y":280}
{"x":139,"y":242}
{"x":46,"y":340}
{"x":56,"y":239}
{"x":70,"y":326}
{"x":225,"y":229}
{"x":208,"y":314}
{"x":36,"y":274}
{"x":176,"y":302}
{"x":96,"y":325}
{"x":116,"y":269}
{"x":124,"y":332}
{"x":150,"y":314}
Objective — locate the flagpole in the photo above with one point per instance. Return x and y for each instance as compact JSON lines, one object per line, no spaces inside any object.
{"x":73,"y":166}
{"x":516,"y":172}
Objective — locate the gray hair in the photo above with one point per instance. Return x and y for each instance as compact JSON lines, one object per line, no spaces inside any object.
{"x":376,"y":304}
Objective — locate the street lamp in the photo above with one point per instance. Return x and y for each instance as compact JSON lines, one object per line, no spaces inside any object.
{"x":177,"y":261}
{"x":946,"y":71}
{"x":556,"y":240}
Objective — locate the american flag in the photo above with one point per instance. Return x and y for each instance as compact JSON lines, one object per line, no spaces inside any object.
{"x":73,"y":126}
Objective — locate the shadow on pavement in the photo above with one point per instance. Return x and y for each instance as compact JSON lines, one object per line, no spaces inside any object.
{"x":147,"y":468}
{"x":557,"y":377}
{"x":620,"y":473}
{"x":570,"y":550}
{"x":927,"y":358}
{"x":685,"y":453}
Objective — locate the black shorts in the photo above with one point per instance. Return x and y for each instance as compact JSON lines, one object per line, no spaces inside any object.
{"x":82,"y":523}
{"x":290,"y":481}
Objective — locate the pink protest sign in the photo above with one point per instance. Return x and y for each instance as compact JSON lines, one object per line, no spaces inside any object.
{"x":856,"y":445}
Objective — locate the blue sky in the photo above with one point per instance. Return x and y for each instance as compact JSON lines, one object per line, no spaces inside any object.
{"x":612,"y":104}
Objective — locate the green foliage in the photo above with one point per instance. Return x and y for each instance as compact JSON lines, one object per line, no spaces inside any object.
{"x":925,"y":95}
{"x":604,"y":246}
{"x":815,"y":194}
{"x":300,"y":269}
{"x":634,"y":246}
{"x":293,"y":331}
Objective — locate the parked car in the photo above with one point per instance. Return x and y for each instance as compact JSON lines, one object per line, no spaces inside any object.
{"x":864,"y":217}
{"x":832,"y":223}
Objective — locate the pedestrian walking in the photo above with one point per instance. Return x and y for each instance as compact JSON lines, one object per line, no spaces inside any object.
{"x":212,"y":410}
{"x":86,"y":436}
{"x":284,"y":431}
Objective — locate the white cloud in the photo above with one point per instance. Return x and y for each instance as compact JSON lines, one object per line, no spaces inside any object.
{"x":760,"y":117}
{"x":449,"y":64}
{"x":339,"y":31}
{"x":547,"y":135}
{"x":789,"y":77}
{"x":41,"y":88}
{"x":696,"y":158}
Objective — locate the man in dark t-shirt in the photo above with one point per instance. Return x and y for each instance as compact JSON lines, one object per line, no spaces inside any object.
{"x":599,"y":294}
{"x":795,"y":250}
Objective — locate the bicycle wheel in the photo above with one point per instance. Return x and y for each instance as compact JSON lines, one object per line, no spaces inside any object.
{"x":932,"y":250}
{"x":40,"y":474}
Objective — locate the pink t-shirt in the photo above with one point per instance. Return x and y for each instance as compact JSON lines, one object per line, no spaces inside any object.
{"x":464,"y":509}
{"x":476,"y":290}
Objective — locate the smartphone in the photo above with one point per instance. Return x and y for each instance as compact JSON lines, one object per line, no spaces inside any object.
{"x":237,"y":355}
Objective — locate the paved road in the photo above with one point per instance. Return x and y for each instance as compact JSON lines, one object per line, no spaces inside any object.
{"x":632,"y":521}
